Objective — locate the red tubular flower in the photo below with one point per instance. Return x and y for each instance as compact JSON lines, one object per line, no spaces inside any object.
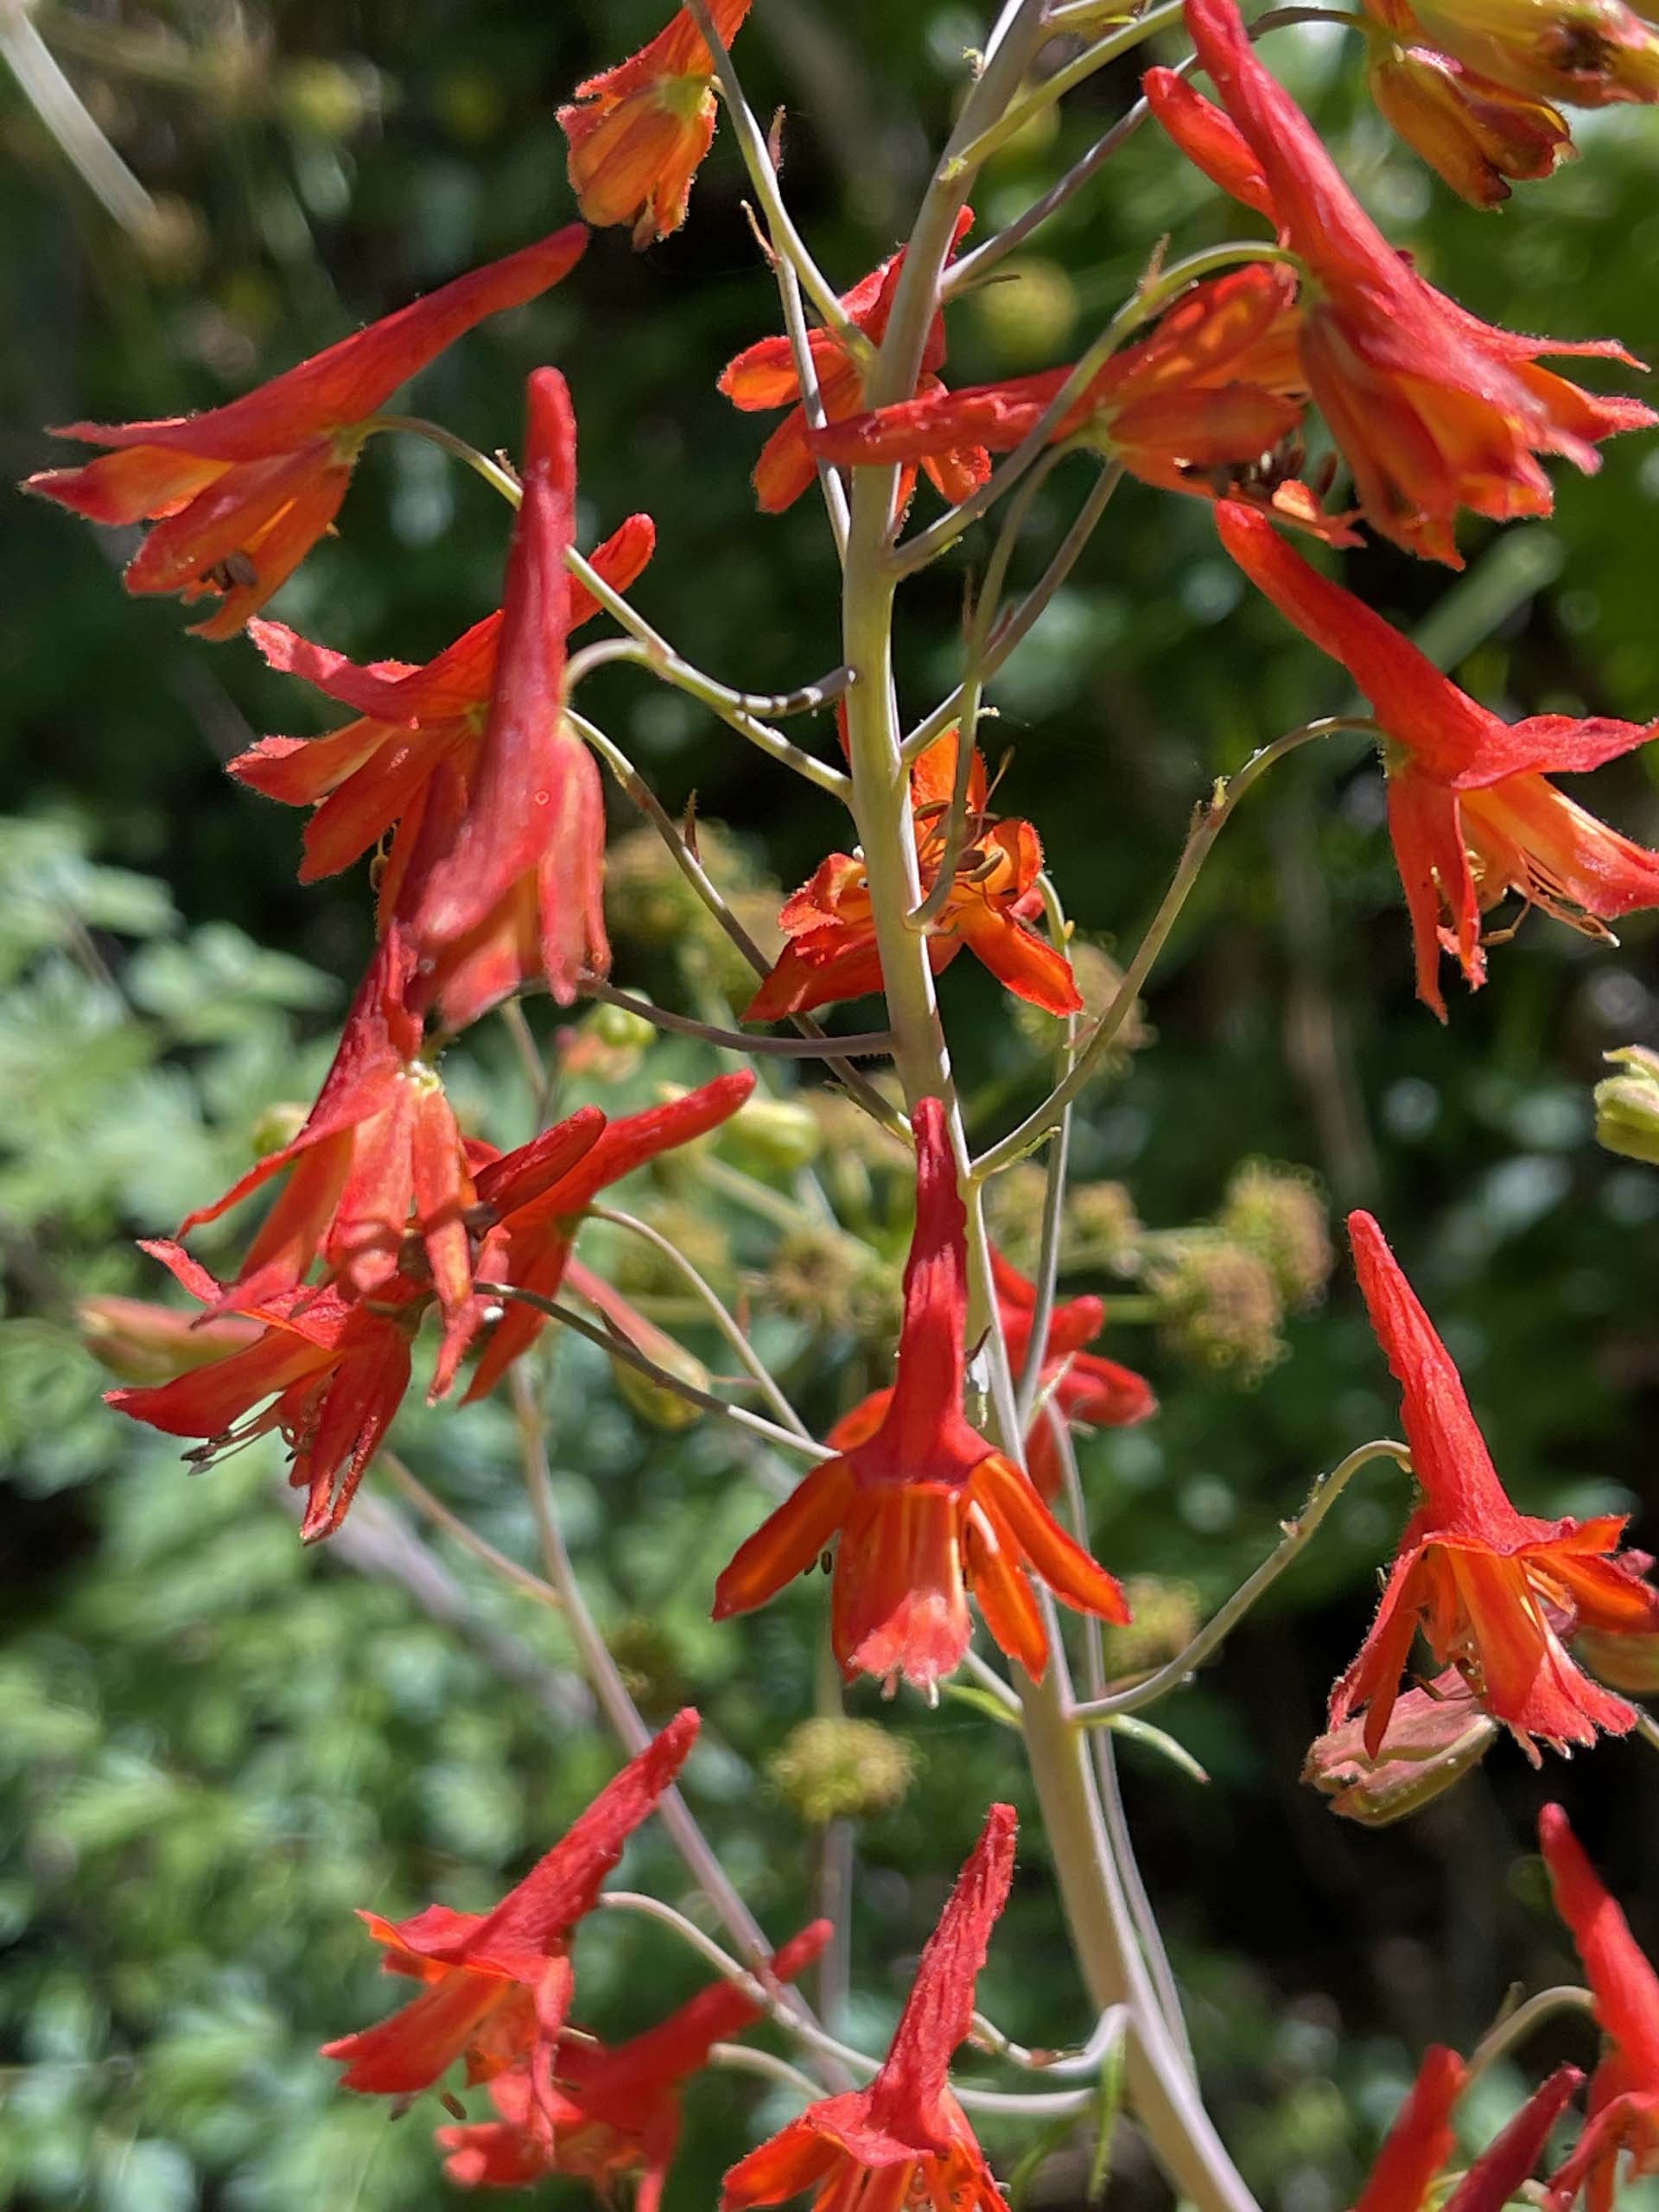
{"x":371,"y":777}
{"x":499,"y":1984}
{"x":1469,"y":810}
{"x":614,"y":2113}
{"x":533,"y":1200}
{"x":639,"y":132}
{"x":335,"y":1372}
{"x":1434,"y":409}
{"x":1193,"y":407}
{"x":240,"y":495}
{"x":1421,"y":2142}
{"x":511,"y":880}
{"x":924,"y":1502}
{"x":763,"y":378}
{"x":1586,"y":52}
{"x":1624,"y":2112}
{"x":831,"y":953}
{"x":1474,"y":133}
{"x":1495,"y":1591}
{"x":903,"y":2141}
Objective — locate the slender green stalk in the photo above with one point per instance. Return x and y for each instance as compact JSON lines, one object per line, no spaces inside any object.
{"x":1298,"y":1534}
{"x":1047,"y":1278}
{"x":1042,"y":97}
{"x":1513,"y":2028}
{"x":868,"y":1045}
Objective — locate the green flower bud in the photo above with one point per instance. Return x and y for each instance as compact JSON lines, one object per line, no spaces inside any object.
{"x":1278,"y":1213}
{"x":831,"y":1769}
{"x":1028,"y":317}
{"x":1103,"y":1228}
{"x":620,"y":1027}
{"x":1627,"y":1106}
{"x":277,"y":1125}
{"x":1224,"y":1308}
{"x":656,"y":1405}
{"x":780,"y":1133}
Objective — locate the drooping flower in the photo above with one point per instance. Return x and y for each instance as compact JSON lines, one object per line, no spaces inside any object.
{"x":1474,"y":133}
{"x":1624,"y":2104}
{"x":1471,"y":812}
{"x":241,"y":494}
{"x":1435,"y":1736}
{"x":639,"y":131}
{"x":1193,"y":407}
{"x":532,"y":1200}
{"x":507,"y":879}
{"x":614,"y":2111}
{"x":905,"y":2139}
{"x":498,"y":1984}
{"x":1420,"y":2143}
{"x":1434,"y":409}
{"x":1076,"y":1385}
{"x":1495,"y":1591}
{"x":369,"y":780}
{"x":333,"y":1370}
{"x":763,"y":378}
{"x":924,"y":1503}
{"x":1586,"y":53}
{"x":831,"y":951}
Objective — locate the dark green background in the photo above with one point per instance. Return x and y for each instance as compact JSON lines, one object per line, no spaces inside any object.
{"x":216,"y":1747}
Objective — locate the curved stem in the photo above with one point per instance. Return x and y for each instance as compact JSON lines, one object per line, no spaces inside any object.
{"x":1499,"y":2040}
{"x":722,"y":1318}
{"x":496,"y":475}
{"x":868,"y":1045}
{"x":439,"y":1515}
{"x":1209,"y":1638}
{"x":1209,"y":819}
{"x":1014,"y":118}
{"x":620,"y":1348}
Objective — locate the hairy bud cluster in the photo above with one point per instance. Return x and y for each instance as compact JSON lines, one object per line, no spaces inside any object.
{"x":831,"y":1769}
{"x":1278,"y":1214}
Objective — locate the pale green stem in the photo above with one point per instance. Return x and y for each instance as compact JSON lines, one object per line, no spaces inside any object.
{"x":867,"y":1045}
{"x":1048,"y":1257}
{"x":631,"y":1356}
{"x":71,"y":123}
{"x":1057,"y":2064}
{"x":439,"y":1515}
{"x":718,"y":1313}
{"x":1018,"y":626}
{"x":744,"y":2058}
{"x":1298,"y":1534}
{"x":1501,"y":2040}
{"x":1646,"y":1727}
{"x":971,"y":271}
{"x":1209,"y":819}
{"x":1075,"y":73}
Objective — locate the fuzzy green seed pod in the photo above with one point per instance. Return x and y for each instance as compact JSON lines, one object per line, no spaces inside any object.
{"x":831,"y":1769}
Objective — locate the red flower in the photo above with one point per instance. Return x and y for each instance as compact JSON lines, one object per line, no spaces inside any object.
{"x":763,"y":376}
{"x":333,"y":1370}
{"x":905,"y":2141}
{"x":372,"y":777}
{"x":1473,"y":132}
{"x":924,"y":1502}
{"x":1420,"y":2142}
{"x":614,"y":2112}
{"x":498,"y":1984}
{"x":1588,"y":53}
{"x":639,"y":131}
{"x":1469,"y":810}
{"x":1434,"y":409}
{"x":507,"y":879}
{"x":240,"y":495}
{"x":831,"y":953}
{"x":1495,"y":1591}
{"x":533,"y":1200}
{"x":1624,"y":2110}
{"x":1079,"y":1386}
{"x":1192,"y":408}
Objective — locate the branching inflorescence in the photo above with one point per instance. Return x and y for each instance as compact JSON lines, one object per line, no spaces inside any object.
{"x":476,"y":784}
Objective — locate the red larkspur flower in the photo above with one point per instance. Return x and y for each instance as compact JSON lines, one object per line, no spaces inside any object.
{"x":369,"y":780}
{"x":831,"y":952}
{"x":905,"y":2139}
{"x":924,"y":1502}
{"x":639,"y":131}
{"x":241,"y":494}
{"x":1623,"y":2105}
{"x":1474,"y":133}
{"x":1421,"y":2142}
{"x":614,"y":2112}
{"x":532,"y":1201}
{"x":1494,"y":1591}
{"x":1434,"y":409}
{"x":763,"y":378}
{"x":498,"y":1984}
{"x":334,"y":1370}
{"x":1587,"y":53}
{"x":1471,"y":812}
{"x":1193,"y":407}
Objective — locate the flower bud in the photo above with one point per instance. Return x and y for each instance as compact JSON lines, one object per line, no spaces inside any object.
{"x":1103,"y":1228}
{"x":1627,"y":1106}
{"x":780,"y":1133}
{"x":838,"y":1769}
{"x":1586,"y":53}
{"x":1435,"y":1736}
{"x":828,"y":1279}
{"x":278,"y":1124}
{"x":145,"y":1342}
{"x":1474,"y":133}
{"x":1278,"y":1213}
{"x":620,"y":1027}
{"x":1028,"y":319}
{"x":656,"y":1405}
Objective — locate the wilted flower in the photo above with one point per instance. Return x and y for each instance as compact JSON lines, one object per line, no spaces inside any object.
{"x":1435,"y":1736}
{"x":1475,"y":134}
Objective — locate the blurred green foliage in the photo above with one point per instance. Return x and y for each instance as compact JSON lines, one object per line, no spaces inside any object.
{"x":214,"y":1746}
